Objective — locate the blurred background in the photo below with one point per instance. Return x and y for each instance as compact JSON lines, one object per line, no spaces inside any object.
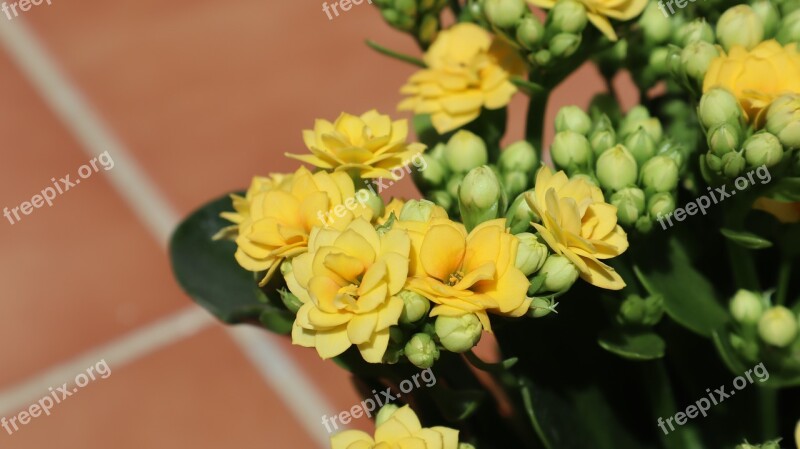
{"x":190,"y":99}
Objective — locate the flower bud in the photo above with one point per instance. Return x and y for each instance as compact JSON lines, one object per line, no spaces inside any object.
{"x":465,"y":151}
{"x":641,"y":146}
{"x":458,"y":333}
{"x":714,"y":162}
{"x":732,"y":164}
{"x":656,"y":27}
{"x":658,"y":60}
{"x":417,"y":210}
{"x":564,"y":45}
{"x":572,"y":118}
{"x":515,"y":182}
{"x":569,"y":16}
{"x":719,"y":106}
{"x":660,"y":174}
{"x":542,"y":58}
{"x":442,"y":198}
{"x":520,"y":156}
{"x":661,"y":205}
{"x":428,"y":28}
{"x":762,"y":149}
{"x":531,"y":253}
{"x":422,"y":351}
{"x":629,"y":203}
{"x":288,"y":298}
{"x":783,"y":119}
{"x":789,"y":31}
{"x":769,"y":15}
{"x":415,"y":306}
{"x":530,"y":32}
{"x":778,"y":326}
{"x":724,"y":138}
{"x":632,"y":124}
{"x":520,"y":215}
{"x":480,"y":197}
{"x":746,"y":307}
{"x":570,"y":149}
{"x":740,"y":25}
{"x":385,"y":413}
{"x":695,"y":31}
{"x":435,"y":172}
{"x":374,"y":202}
{"x":601,"y":141}
{"x":561,"y":273}
{"x":504,"y":13}
{"x":541,"y":307}
{"x":453,"y":184}
{"x":616,"y":168}
{"x":695,"y":59}
{"x":644,"y":224}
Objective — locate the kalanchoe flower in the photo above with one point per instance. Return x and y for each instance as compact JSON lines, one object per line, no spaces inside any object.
{"x":466,"y":71}
{"x":420,"y":211}
{"x":778,"y":326}
{"x":740,"y":26}
{"x":578,"y":224}
{"x":783,"y":119}
{"x":660,"y":174}
{"x":719,"y":106}
{"x":600,"y":11}
{"x":399,"y":429}
{"x":370,"y":145}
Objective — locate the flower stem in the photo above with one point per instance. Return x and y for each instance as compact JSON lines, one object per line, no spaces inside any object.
{"x":769,"y":413}
{"x":784,"y":274}
{"x":393,"y":54}
{"x":534,"y":127}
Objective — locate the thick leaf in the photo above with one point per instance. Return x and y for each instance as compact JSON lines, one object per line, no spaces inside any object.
{"x":746,"y":239}
{"x":639,"y":345}
{"x":277,"y":320}
{"x":207,"y":270}
{"x":689,"y":298}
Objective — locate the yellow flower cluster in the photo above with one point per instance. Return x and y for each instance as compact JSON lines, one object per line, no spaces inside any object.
{"x":401,"y":430}
{"x":599,"y":11}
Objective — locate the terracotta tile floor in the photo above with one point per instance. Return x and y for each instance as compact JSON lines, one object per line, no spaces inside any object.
{"x":203,"y":94}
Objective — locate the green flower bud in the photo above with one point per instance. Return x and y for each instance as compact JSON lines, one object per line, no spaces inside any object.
{"x":417,"y":210}
{"x":789,"y":31}
{"x":504,"y":13}
{"x":541,"y":307}
{"x":437,"y":152}
{"x":572,"y":118}
{"x":661,"y":204}
{"x":632,"y":124}
{"x":656,"y":27}
{"x":530,"y":32}
{"x":374,"y":201}
{"x":520,"y":156}
{"x":601,"y":141}
{"x":480,"y":197}
{"x":660,"y":174}
{"x":531,"y":253}
{"x":724,"y":138}
{"x":695,"y":59}
{"x":453,"y":184}
{"x":632,"y":310}
{"x":288,"y":298}
{"x":543,"y":58}
{"x":561,"y":273}
{"x":658,"y":60}
{"x":442,"y":198}
{"x":637,"y":114}
{"x":644,"y":224}
{"x":569,"y":16}
{"x":783,"y":119}
{"x":762,"y":149}
{"x":740,"y":25}
{"x":385,"y":413}
{"x":422,"y":351}
{"x":732,"y":164}
{"x":778,"y":326}
{"x":434,"y":174}
{"x":769,"y":15}
{"x":746,"y":307}
{"x":564,"y":45}
{"x":641,"y":146}
{"x":570,"y":149}
{"x":616,"y":168}
{"x":458,"y":333}
{"x":515,"y":182}
{"x":675,"y":151}
{"x":714,"y":162}
{"x":629,"y":203}
{"x":465,"y":151}
{"x":719,"y":106}
{"x":695,"y":31}
{"x":520,"y":215}
{"x":428,"y":28}
{"x":415,"y":307}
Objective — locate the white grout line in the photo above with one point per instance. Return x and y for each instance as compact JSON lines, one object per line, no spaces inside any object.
{"x":149,"y":204}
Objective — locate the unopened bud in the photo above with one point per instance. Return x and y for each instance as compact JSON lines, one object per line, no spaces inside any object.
{"x":696,"y":58}
{"x":629,"y":203}
{"x":732,"y":164}
{"x":724,"y":138}
{"x":719,"y":106}
{"x":789,"y":31}
{"x":520,"y":215}
{"x":660,"y":174}
{"x":458,"y":333}
{"x":783,"y":119}
{"x":530,"y":32}
{"x":641,"y":146}
{"x":661,"y":204}
{"x":572,"y":118}
{"x":569,"y":16}
{"x":740,"y":25}
{"x":422,"y":351}
{"x":465,"y":151}
{"x":778,"y":327}
{"x":769,"y":15}
{"x":616,"y":168}
{"x":570,"y":149}
{"x":385,"y":413}
{"x":415,"y":306}
{"x":514,"y":182}
{"x":561,"y":273}
{"x":746,"y":307}
{"x":519,"y":156}
{"x":762,"y":149}
{"x":564,"y":45}
{"x":695,"y":31}
{"x":531,"y":253}
{"x":480,"y":197}
{"x":504,"y":13}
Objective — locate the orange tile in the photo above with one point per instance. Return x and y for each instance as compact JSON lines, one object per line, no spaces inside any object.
{"x":200,"y":393}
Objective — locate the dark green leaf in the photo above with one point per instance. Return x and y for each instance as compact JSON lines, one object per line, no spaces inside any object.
{"x":746,"y":239}
{"x":457,"y":405}
{"x":277,"y":320}
{"x":633,"y":345}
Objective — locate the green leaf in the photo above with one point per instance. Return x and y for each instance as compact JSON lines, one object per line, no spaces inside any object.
{"x":786,"y":189}
{"x":457,"y":405}
{"x":637,"y":345}
{"x":207,"y":270}
{"x":277,"y":320}
{"x":689,"y":298}
{"x":746,"y":239}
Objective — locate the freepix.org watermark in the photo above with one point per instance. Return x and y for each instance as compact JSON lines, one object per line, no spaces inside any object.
{"x":57,"y":395}
{"x":60,"y":187}
{"x":718,"y":194}
{"x":345,"y":5}
{"x":703,"y":405}
{"x":367,"y":406}
{"x":23,"y":5}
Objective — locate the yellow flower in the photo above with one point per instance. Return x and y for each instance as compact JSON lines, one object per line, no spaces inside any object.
{"x":578,"y":224}
{"x":370,"y":145}
{"x":348,"y":282}
{"x":467,"y":273}
{"x":599,"y":11}
{"x":276,"y":216}
{"x":401,"y":431}
{"x":756,"y":77}
{"x":784,"y":212}
{"x":394,"y":206}
{"x":466,"y":70}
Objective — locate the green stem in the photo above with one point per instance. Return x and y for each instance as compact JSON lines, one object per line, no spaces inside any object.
{"x":534,"y":127}
{"x":742,"y":261}
{"x":769,"y":413}
{"x":784,"y":274}
{"x":393,"y":54}
{"x":456,"y":7}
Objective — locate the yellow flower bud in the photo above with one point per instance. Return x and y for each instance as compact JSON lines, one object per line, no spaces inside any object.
{"x":778,"y":327}
{"x":420,"y":210}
